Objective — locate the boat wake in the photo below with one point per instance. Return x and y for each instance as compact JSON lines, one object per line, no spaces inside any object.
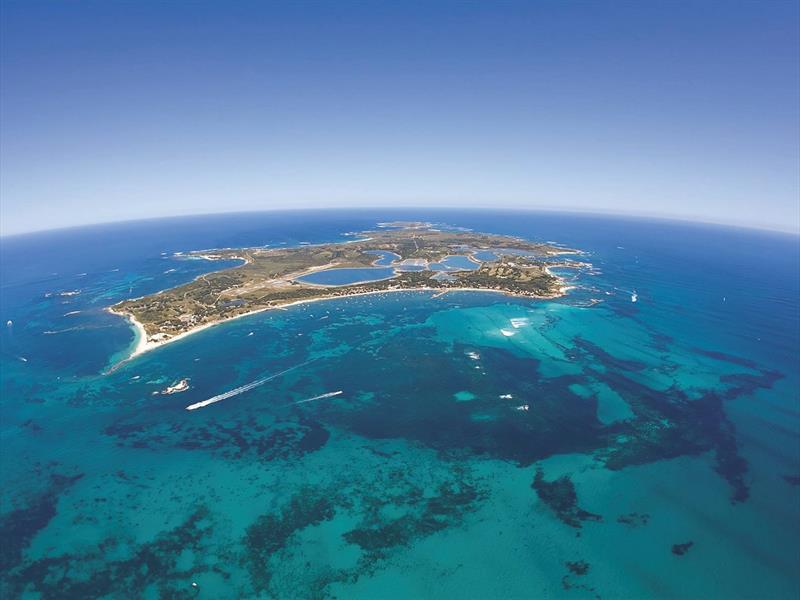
{"x":245,"y":388}
{"x":320,"y":397}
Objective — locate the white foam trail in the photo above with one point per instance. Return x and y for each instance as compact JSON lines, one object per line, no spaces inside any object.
{"x":243,"y":388}
{"x":320,"y":397}
{"x":54,"y":332}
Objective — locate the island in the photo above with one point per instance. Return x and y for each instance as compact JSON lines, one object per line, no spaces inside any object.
{"x":397,"y":256}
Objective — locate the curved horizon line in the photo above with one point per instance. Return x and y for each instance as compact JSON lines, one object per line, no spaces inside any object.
{"x":667,"y":218}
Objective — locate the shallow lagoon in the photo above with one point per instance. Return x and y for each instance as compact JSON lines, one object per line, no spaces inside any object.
{"x":455,"y":263}
{"x":485,"y":255}
{"x":347,"y":276}
{"x":386,"y":257}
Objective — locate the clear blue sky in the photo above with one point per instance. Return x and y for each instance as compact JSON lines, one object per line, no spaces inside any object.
{"x":118,"y":110}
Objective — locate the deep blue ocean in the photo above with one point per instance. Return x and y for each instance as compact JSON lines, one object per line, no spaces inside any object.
{"x":482,"y":446}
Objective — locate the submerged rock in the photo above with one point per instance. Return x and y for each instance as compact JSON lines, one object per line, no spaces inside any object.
{"x":681,"y":549}
{"x":561,"y":497}
{"x":578,"y":567}
{"x":175,"y":388}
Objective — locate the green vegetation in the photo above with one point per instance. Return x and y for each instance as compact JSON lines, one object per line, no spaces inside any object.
{"x":268,"y":277}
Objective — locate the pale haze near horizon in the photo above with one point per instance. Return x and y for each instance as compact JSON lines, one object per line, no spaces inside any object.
{"x":122,"y":111}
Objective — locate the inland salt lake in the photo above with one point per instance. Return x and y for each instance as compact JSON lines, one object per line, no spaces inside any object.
{"x":482,"y":446}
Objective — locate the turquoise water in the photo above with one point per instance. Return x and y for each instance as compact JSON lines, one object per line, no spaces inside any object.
{"x":481,"y":446}
{"x":347,"y":276}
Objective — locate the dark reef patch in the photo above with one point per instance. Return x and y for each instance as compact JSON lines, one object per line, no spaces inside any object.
{"x":31,"y":425}
{"x":634,"y":519}
{"x":558,"y":420}
{"x":93,"y":395}
{"x":153,"y":564}
{"x":669,"y":424}
{"x":681,"y":549}
{"x":609,"y":360}
{"x":425,"y":516}
{"x":659,"y":341}
{"x":271,"y":532}
{"x":725,"y":357}
{"x":578,"y":567}
{"x":561,"y":497}
{"x":416,"y":511}
{"x":233,"y":439}
{"x":399,"y":532}
{"x":742,"y":384}
{"x":792,"y":479}
{"x":18,"y":527}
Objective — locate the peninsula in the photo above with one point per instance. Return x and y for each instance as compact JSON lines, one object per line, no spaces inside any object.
{"x":398,"y":256}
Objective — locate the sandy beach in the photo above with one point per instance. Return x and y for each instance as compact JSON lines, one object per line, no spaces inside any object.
{"x":143,"y":344}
